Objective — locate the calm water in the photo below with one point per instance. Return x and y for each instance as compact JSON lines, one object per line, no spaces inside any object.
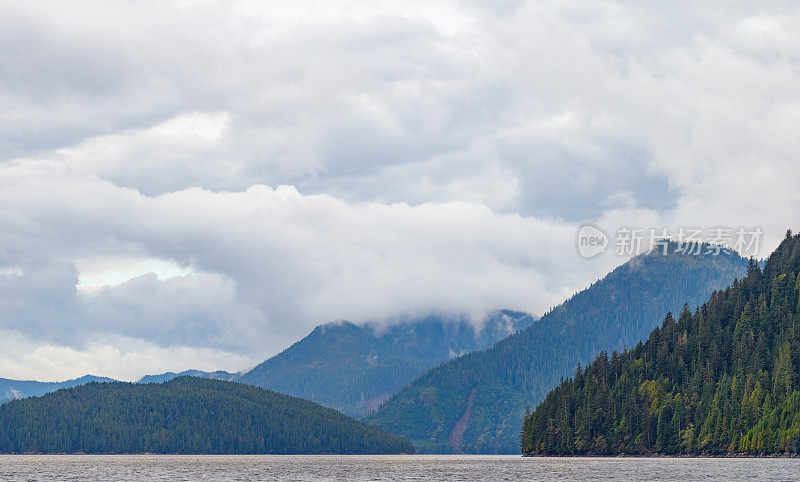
{"x":397,"y":467}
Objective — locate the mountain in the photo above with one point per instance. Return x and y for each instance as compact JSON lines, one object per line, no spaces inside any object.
{"x":343,"y":366}
{"x":165,"y":377}
{"x":716,"y":381}
{"x":476,"y":402}
{"x":354,"y":368}
{"x":12,"y":389}
{"x":184,"y":415}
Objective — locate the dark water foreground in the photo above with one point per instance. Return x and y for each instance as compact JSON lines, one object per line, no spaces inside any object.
{"x":387,"y":467}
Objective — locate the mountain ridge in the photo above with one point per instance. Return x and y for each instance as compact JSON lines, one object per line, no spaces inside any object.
{"x":353,"y":368}
{"x":167,"y":376}
{"x":518,"y":371}
{"x":187,"y":415}
{"x":718,"y":380}
{"x":371,"y":361}
{"x":12,"y":389}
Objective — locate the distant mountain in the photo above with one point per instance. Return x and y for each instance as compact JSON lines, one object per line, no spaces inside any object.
{"x":165,"y":377}
{"x":476,"y":403}
{"x":720,"y":380}
{"x":12,"y":389}
{"x":354,"y":368}
{"x":343,"y":366}
{"x":184,"y":415}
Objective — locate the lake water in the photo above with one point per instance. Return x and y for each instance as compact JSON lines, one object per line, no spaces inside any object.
{"x":389,"y":467}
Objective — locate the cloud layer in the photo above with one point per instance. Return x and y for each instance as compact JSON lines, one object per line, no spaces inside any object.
{"x":282,"y":165}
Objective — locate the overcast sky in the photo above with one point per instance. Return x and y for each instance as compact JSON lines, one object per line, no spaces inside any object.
{"x":197,"y":185}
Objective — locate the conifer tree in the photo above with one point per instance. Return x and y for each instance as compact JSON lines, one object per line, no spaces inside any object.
{"x":719,"y":380}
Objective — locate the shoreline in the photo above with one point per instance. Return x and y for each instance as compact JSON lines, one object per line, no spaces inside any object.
{"x":542,"y":456}
{"x":671,"y":456}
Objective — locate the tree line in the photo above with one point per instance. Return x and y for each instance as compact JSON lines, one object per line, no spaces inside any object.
{"x":721,"y":379}
{"x":184,"y":415}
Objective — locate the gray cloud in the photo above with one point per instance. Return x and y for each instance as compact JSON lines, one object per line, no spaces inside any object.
{"x":441,"y":156}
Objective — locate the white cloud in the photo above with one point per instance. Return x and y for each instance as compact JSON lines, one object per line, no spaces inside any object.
{"x":269,"y":264}
{"x":97,"y":272}
{"x":444,"y":151}
{"x":23,"y":358}
{"x":175,"y":148}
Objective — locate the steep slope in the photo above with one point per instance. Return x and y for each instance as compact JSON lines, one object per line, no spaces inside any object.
{"x":354,"y":368}
{"x":13,"y":389}
{"x":165,"y":377}
{"x":184,"y":415}
{"x":721,"y":380}
{"x":619,"y":310}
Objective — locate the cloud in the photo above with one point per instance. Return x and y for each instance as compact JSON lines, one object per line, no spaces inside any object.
{"x":280,"y":165}
{"x":25,"y":358}
{"x":266,"y":265}
{"x":343,"y":99}
{"x":96,"y":273}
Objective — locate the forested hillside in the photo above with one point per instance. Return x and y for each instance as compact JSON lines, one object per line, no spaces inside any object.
{"x":619,"y":310}
{"x":184,"y":415}
{"x":721,"y":379}
{"x":354,"y":368}
{"x":343,"y":366}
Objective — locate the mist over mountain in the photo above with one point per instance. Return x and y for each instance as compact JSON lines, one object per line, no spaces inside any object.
{"x":344,"y":366}
{"x":476,"y":402}
{"x":355,"y":368}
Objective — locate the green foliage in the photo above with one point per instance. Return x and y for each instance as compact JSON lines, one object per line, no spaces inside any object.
{"x":184,"y":415}
{"x":718,"y":380}
{"x":617,"y":311}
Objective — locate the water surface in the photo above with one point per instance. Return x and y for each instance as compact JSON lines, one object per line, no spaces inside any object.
{"x":386,"y":467}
